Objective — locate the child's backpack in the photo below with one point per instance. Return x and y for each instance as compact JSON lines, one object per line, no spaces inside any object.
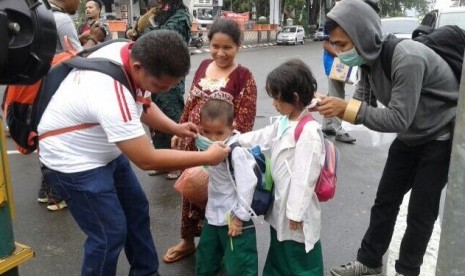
{"x":326,"y":184}
{"x":25,"y":104}
{"x":263,"y":195}
{"x":447,"y":41}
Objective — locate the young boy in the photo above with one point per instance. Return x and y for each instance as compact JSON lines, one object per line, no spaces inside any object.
{"x":228,"y":232}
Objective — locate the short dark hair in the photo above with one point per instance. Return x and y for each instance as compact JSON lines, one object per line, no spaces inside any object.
{"x":98,"y":2}
{"x":215,"y":109}
{"x":293,"y":76}
{"x":162,"y":52}
{"x":330,"y":25}
{"x":228,"y":27}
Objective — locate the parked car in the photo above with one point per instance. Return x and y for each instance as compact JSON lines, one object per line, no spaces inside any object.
{"x":108,"y":16}
{"x":291,"y":35}
{"x":319,"y":34}
{"x":401,"y":27}
{"x":449,"y":16}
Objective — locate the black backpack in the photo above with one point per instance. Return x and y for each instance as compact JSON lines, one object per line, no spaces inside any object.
{"x":23,"y":117}
{"x":447,"y":41}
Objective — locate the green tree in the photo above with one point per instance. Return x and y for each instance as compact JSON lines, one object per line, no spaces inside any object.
{"x":81,"y":14}
{"x":393,"y":8}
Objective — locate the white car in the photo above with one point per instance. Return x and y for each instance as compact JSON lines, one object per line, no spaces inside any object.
{"x":319,"y":34}
{"x":401,"y":27}
{"x":291,"y":35}
{"x":449,"y":16}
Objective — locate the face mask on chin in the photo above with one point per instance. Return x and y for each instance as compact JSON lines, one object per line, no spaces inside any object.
{"x":203,"y":143}
{"x":351,"y":58}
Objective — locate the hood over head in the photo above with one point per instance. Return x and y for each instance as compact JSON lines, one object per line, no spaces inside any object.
{"x":362,"y":24}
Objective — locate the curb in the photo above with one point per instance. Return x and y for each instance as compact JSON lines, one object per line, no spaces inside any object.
{"x":194,"y":51}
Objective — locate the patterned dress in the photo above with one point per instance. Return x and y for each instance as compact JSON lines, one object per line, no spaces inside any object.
{"x":240,"y":89}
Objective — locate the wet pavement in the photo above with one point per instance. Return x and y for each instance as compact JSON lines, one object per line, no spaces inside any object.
{"x":58,"y":242}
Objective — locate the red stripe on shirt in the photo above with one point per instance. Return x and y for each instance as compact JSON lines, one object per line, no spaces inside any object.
{"x":118,"y":96}
{"x":125,"y":103}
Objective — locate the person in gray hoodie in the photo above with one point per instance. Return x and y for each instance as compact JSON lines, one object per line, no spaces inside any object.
{"x":420,"y":101}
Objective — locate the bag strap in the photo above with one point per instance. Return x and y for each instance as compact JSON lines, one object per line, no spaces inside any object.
{"x":300,"y":125}
{"x":387,"y":52}
{"x":59,"y":72}
{"x":66,"y":130}
{"x":422,"y":30}
{"x":230,"y":167}
{"x":94,"y":48}
{"x":231,"y":175}
{"x":54,"y":79}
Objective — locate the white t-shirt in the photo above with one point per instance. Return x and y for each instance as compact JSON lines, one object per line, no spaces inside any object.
{"x":89,"y":97}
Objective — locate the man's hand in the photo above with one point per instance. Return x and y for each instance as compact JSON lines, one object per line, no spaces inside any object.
{"x":132,"y":34}
{"x":186,"y":130}
{"x":216,"y":153}
{"x":295,"y":225}
{"x":235,"y":228}
{"x":331,"y":107}
{"x":97,"y":32}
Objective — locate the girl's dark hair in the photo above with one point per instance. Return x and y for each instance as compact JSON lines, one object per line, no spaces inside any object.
{"x":215,"y":109}
{"x":293,"y":76}
{"x":173,"y":5}
{"x":228,"y":27}
{"x":162,"y":53}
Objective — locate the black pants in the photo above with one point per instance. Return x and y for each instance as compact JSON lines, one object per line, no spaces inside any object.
{"x":424,"y":169}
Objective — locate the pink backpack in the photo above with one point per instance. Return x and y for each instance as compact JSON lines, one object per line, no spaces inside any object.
{"x":326,"y":185}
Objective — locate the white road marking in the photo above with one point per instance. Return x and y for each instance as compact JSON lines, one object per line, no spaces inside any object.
{"x":12,"y":152}
{"x":429,"y":261}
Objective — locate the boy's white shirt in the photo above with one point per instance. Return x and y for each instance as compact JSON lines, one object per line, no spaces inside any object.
{"x":295,"y":168}
{"x":224,"y":195}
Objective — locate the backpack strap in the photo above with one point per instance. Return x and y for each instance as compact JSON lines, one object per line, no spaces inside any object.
{"x":300,"y":125}
{"x":54,"y":79}
{"x":422,"y":30}
{"x":256,"y":168}
{"x":232,"y":147}
{"x":387,"y":52}
{"x":87,"y":51}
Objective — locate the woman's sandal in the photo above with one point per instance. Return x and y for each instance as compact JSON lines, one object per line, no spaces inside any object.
{"x":175,"y":254}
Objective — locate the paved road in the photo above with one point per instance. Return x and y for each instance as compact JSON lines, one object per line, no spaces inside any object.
{"x":58,"y":242}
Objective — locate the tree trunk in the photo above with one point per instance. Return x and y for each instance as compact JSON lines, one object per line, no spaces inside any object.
{"x":314,"y":12}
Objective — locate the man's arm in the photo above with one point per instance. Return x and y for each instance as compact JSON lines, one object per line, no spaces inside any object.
{"x":329,"y":48}
{"x":141,"y":152}
{"x":156,"y":119}
{"x":65,"y":28}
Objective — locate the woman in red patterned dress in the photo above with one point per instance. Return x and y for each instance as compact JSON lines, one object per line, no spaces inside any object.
{"x":219,"y":77}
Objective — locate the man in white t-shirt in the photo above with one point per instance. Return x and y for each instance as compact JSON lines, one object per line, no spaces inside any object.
{"x":90,"y":169}
{"x":67,"y":39}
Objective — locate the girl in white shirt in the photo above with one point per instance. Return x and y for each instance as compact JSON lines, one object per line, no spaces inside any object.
{"x":294,"y":218}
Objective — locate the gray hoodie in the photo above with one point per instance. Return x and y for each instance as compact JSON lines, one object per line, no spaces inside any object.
{"x":420,"y":98}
